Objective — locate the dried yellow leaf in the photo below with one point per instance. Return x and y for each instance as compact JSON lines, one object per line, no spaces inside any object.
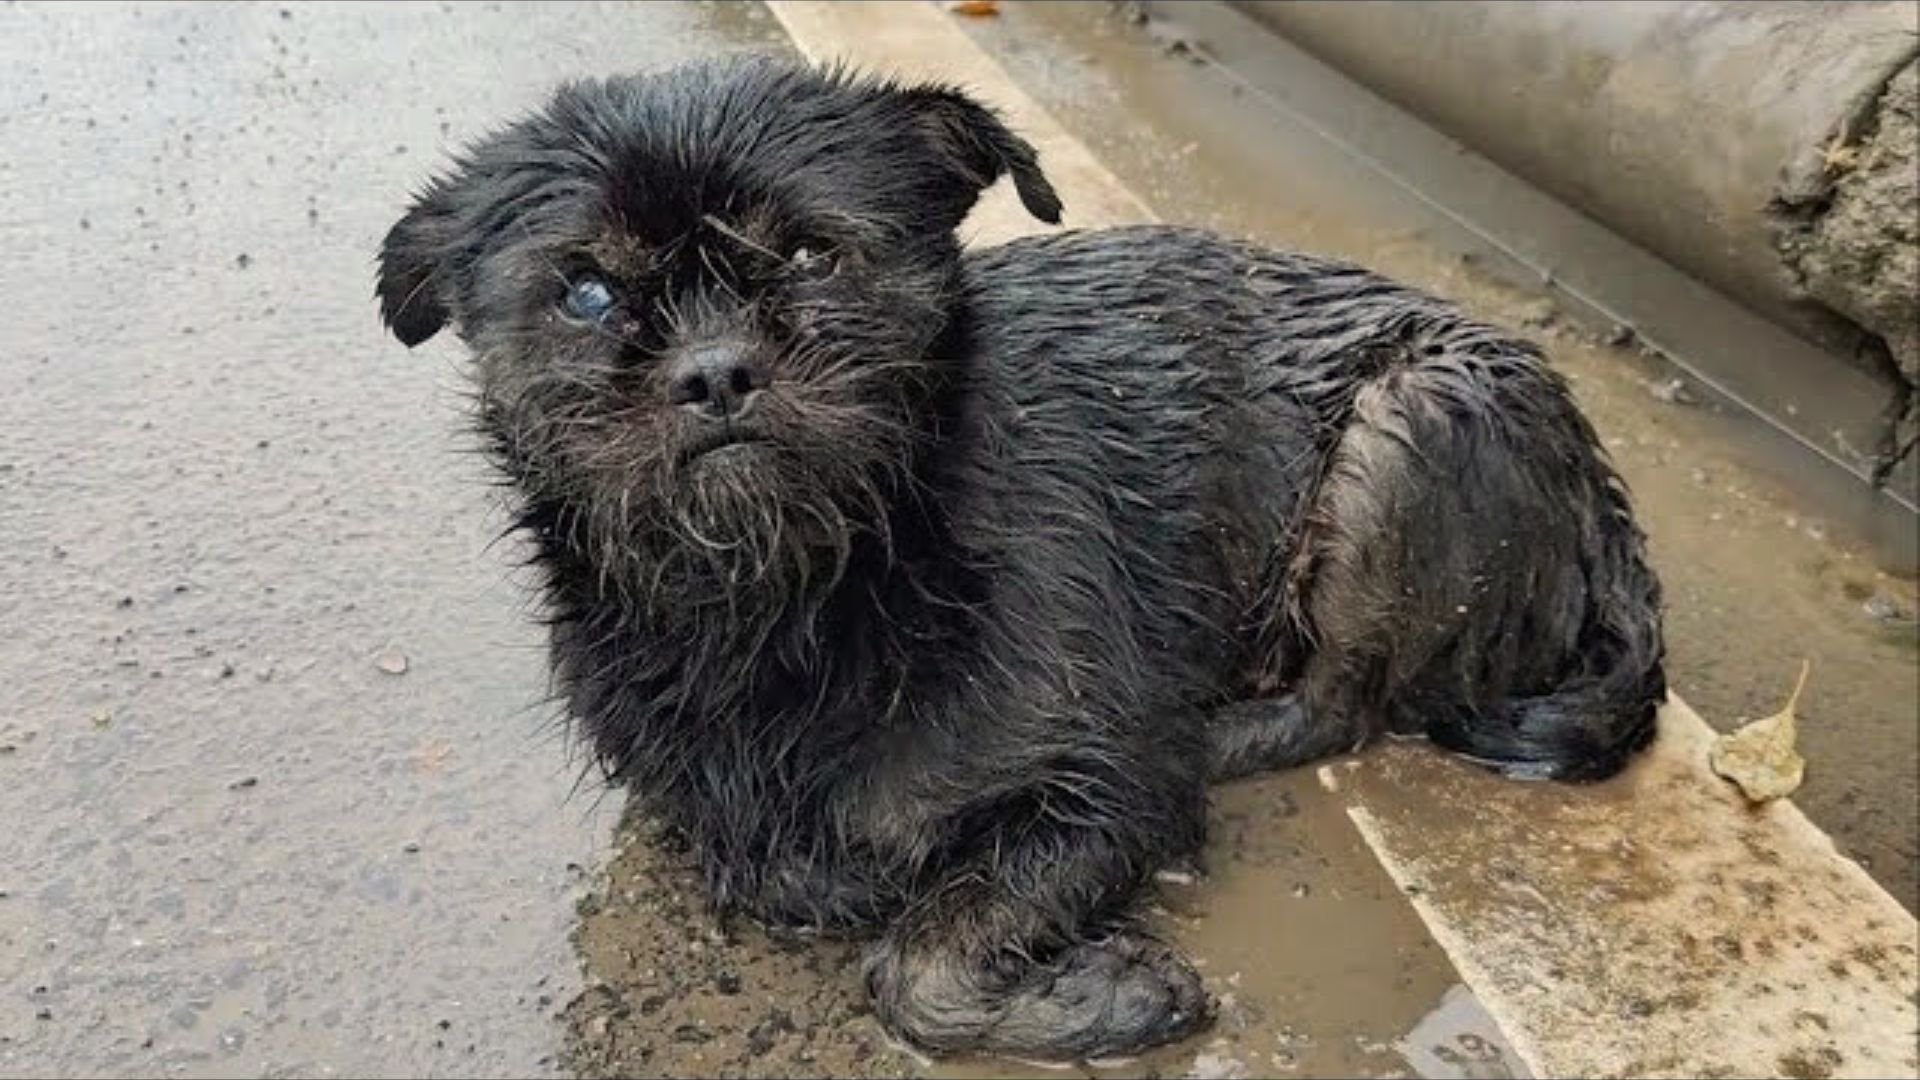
{"x":1760,"y":756}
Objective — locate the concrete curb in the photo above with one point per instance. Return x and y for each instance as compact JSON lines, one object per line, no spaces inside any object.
{"x":1580,"y":950}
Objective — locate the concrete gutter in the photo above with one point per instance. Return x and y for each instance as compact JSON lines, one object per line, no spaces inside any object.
{"x":1754,"y":145}
{"x":1653,"y":925}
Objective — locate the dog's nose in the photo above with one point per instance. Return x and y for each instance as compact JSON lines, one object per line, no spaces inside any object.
{"x":716,"y":380}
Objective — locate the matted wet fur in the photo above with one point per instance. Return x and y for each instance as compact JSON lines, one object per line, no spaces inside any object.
{"x":924,"y":593}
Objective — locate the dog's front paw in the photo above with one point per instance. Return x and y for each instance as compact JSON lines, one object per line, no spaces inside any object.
{"x":1102,"y":1000}
{"x":1094,"y":1000}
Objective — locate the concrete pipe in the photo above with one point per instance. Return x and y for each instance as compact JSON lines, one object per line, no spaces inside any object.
{"x":1766,"y":148}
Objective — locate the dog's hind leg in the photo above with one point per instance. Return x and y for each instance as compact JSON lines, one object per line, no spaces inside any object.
{"x":1265,"y":734}
{"x":1468,"y":571}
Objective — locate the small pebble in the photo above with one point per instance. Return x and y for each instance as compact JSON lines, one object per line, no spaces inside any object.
{"x":391,"y":660}
{"x":1886,"y":609}
{"x":243,"y":782}
{"x":410,"y":848}
{"x":1671,"y":391}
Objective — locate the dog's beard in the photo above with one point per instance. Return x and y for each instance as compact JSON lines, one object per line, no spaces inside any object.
{"x":748,"y":528}
{"x":762,"y":521}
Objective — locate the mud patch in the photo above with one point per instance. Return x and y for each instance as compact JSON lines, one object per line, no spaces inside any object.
{"x":1273,"y":919}
{"x":672,"y":991}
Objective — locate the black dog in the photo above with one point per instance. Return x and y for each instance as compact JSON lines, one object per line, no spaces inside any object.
{"x":926,"y":591}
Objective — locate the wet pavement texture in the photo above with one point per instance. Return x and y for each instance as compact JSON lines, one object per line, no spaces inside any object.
{"x":278,"y":791}
{"x":278,"y":794}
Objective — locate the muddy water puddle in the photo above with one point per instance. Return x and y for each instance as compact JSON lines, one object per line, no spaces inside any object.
{"x":1459,"y":1041}
{"x":1320,"y":968}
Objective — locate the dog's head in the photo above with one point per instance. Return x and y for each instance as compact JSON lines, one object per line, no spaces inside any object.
{"x":702,"y":303}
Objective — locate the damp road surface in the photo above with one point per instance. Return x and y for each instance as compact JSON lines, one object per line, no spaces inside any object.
{"x":278,"y":795}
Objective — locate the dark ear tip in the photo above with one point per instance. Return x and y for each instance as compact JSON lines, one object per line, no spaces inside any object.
{"x":412,"y":325}
{"x":409,"y":304}
{"x":407,"y":310}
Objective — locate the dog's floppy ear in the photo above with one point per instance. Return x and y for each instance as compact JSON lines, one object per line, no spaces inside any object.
{"x":412,"y":261}
{"x":973,"y":138}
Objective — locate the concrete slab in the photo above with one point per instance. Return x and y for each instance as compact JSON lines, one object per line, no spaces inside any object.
{"x":1654,"y":925}
{"x":1651,"y":925}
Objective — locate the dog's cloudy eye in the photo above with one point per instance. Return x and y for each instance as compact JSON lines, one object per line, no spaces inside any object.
{"x":589,"y":298}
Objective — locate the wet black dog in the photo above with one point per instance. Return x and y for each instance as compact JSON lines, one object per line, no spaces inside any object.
{"x":926,"y":591}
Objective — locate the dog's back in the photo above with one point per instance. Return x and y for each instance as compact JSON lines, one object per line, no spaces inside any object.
{"x":1397,"y":515}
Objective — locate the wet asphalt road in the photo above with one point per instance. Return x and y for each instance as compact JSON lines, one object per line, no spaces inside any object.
{"x":230,"y":842}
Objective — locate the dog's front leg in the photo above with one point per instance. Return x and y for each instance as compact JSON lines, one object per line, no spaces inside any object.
{"x":804,"y":895}
{"x":1024,"y":949}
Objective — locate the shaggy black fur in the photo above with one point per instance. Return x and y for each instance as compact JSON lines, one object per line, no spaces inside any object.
{"x":926,"y":592}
